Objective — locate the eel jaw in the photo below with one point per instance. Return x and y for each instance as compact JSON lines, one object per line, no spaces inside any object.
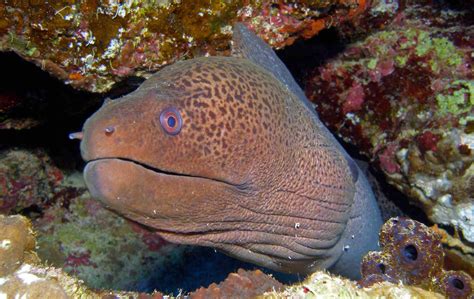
{"x":165,"y":201}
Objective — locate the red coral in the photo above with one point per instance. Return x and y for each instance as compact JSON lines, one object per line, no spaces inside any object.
{"x":387,"y":159}
{"x":77,"y":259}
{"x":427,"y":141}
{"x":354,"y":99}
{"x":152,"y":240}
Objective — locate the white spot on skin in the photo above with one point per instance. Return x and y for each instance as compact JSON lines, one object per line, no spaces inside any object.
{"x":346,"y":248}
{"x":5,"y":244}
{"x":297,"y":225}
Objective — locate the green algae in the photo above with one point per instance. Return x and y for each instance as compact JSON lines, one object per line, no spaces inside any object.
{"x":443,"y":51}
{"x":440,"y":50}
{"x":21,"y":45}
{"x":372,"y":64}
{"x":446,"y":51}
{"x":96,"y":246}
{"x":401,"y":60}
{"x":459,"y":101}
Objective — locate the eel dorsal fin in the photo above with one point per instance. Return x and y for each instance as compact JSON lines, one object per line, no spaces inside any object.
{"x":247,"y":45}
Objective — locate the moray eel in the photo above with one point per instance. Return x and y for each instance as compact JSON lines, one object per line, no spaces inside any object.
{"x":226,"y":152}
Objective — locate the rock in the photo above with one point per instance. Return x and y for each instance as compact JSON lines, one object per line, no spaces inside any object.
{"x":405,"y":97}
{"x":93,"y":45}
{"x":17,"y":243}
{"x":324,"y":285}
{"x":243,"y":284}
{"x":27,"y":178}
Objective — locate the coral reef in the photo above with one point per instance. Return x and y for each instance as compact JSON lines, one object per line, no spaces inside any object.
{"x":324,"y":285}
{"x":92,"y":45}
{"x":16,"y":244}
{"x":243,"y":284}
{"x":31,"y":278}
{"x":22,"y":274}
{"x":458,"y":256}
{"x":405,"y":97}
{"x":69,"y":238}
{"x":413,"y":255}
{"x":27,"y":178}
{"x":67,"y":222}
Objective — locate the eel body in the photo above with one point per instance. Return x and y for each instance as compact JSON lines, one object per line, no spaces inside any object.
{"x":226,"y":152}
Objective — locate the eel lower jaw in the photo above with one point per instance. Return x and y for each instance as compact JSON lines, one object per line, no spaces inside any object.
{"x":112,"y":179}
{"x":168,"y":202}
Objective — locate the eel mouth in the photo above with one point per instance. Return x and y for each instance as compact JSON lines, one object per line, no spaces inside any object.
{"x":151,"y":196}
{"x":146,"y":166}
{"x":158,"y":171}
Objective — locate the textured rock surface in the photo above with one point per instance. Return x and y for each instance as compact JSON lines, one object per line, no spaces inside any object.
{"x":92,"y":45}
{"x":412,"y":254}
{"x":458,"y":255}
{"x":243,"y":284}
{"x":27,"y":178}
{"x":17,"y":243}
{"x":405,"y":97}
{"x":323,"y":285}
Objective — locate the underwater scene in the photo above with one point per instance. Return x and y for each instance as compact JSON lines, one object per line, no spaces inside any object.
{"x":237,"y":149}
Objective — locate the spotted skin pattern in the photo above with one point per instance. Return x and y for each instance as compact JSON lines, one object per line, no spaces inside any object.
{"x":250,"y":172}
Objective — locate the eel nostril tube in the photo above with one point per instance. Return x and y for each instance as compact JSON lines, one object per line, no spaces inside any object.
{"x":76,"y":135}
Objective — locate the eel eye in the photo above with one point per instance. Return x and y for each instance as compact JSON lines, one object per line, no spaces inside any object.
{"x":171,"y":120}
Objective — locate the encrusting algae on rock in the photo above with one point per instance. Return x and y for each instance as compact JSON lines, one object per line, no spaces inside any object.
{"x":324,"y":285}
{"x":404,"y":96}
{"x":91,"y":45}
{"x":23,"y":275}
{"x":19,"y":273}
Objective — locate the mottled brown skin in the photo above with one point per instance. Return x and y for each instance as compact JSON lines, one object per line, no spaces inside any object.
{"x":250,"y":173}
